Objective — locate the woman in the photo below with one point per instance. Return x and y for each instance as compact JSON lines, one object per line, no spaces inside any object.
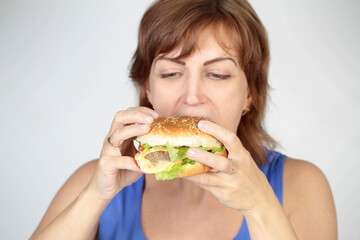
{"x":199,"y":58}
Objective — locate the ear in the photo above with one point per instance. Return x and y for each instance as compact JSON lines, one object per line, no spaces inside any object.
{"x":147,"y":91}
{"x":248,"y":102}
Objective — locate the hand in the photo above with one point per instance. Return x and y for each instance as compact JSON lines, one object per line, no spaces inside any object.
{"x":236,"y":181}
{"x":116,"y":168}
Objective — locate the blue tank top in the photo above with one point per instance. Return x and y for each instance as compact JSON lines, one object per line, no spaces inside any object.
{"x":121,"y":219}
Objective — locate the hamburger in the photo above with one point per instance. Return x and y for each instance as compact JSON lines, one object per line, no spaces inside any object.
{"x":162,"y":151}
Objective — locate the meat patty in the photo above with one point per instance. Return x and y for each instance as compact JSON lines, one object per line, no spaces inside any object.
{"x":156,"y":157}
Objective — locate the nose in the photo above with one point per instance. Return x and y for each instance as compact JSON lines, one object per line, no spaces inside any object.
{"x":194,"y":91}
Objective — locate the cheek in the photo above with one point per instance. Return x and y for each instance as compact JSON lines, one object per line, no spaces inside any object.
{"x":230,"y":104}
{"x":163,"y":100}
{"x":233,"y":101}
{"x":233,"y":96}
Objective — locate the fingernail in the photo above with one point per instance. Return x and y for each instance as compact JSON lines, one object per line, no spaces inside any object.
{"x":191,"y":153}
{"x":148,"y":118}
{"x":202,"y":124}
{"x":143,"y":126}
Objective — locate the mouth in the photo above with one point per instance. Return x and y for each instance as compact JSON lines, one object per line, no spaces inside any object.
{"x":195,"y":115}
{"x":201,"y":116}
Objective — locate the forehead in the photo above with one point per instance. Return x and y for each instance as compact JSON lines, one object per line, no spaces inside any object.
{"x":217,"y":39}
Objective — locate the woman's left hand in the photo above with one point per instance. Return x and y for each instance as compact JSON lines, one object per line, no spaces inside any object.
{"x":237,"y":181}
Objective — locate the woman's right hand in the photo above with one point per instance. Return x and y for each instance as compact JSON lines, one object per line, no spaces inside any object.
{"x":116,"y":169}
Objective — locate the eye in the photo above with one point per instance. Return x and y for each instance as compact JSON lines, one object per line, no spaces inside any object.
{"x":217,"y":76}
{"x":170,"y":75}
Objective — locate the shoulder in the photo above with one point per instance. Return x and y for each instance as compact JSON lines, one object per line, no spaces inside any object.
{"x":297,"y":176}
{"x":83,"y":174}
{"x":308,"y":200}
{"x":68,"y":193}
{"x":298,"y":172}
{"x":75,"y":184}
{"x":302,"y":182}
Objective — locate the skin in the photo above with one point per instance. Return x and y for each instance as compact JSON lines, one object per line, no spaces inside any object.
{"x":201,"y":85}
{"x":191,"y":88}
{"x":194,"y":87}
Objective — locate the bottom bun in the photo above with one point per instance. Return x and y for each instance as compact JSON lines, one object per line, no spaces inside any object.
{"x":197,"y":168}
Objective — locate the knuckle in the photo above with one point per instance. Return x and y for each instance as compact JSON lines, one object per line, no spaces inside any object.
{"x":119,"y":114}
{"x":232,"y":186}
{"x":203,"y":179}
{"x":116,"y":133}
{"x":143,"y":108}
{"x":232,"y":137}
{"x":223,"y":165}
{"x":140,"y":113}
{"x":136,"y":113}
{"x":104,"y":162}
{"x":245,"y":155}
{"x":227,"y":166}
{"x":118,"y":136}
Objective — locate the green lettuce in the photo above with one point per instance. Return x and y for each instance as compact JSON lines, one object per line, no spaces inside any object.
{"x":174,"y":171}
{"x":218,"y":149}
{"x":157,"y":147}
{"x":173,"y":152}
{"x":146,"y":146}
{"x":179,"y":153}
{"x":176,"y":153}
{"x":182,"y":153}
{"x":204,"y":148}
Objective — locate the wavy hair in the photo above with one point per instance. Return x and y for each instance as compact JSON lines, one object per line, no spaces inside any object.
{"x":172,"y":24}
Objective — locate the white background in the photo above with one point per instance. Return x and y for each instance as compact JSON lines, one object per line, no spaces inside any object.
{"x":63,"y":76}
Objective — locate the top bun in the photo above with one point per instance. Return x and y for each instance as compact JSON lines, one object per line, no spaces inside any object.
{"x":178,"y":131}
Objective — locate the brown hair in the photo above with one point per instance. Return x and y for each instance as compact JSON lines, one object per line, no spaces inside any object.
{"x":169,"y":24}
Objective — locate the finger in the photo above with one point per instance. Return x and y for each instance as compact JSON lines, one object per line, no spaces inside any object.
{"x":120,"y":135}
{"x":215,"y":161}
{"x":127,"y":163}
{"x":148,"y":111}
{"x":119,"y":162}
{"x":139,"y":115}
{"x":204,"y":179}
{"x":227,"y":137}
{"x":133,"y":115}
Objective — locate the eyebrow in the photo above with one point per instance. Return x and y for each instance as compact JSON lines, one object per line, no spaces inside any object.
{"x":205,"y":63}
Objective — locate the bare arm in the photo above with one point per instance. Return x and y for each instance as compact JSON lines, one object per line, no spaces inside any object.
{"x":308,"y":201}
{"x":241,"y":185}
{"x":309,"y":209}
{"x":72,"y":206}
{"x":270,"y":222}
{"x":76,"y":209}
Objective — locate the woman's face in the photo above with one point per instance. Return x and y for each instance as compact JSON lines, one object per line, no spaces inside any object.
{"x":208,"y":83}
